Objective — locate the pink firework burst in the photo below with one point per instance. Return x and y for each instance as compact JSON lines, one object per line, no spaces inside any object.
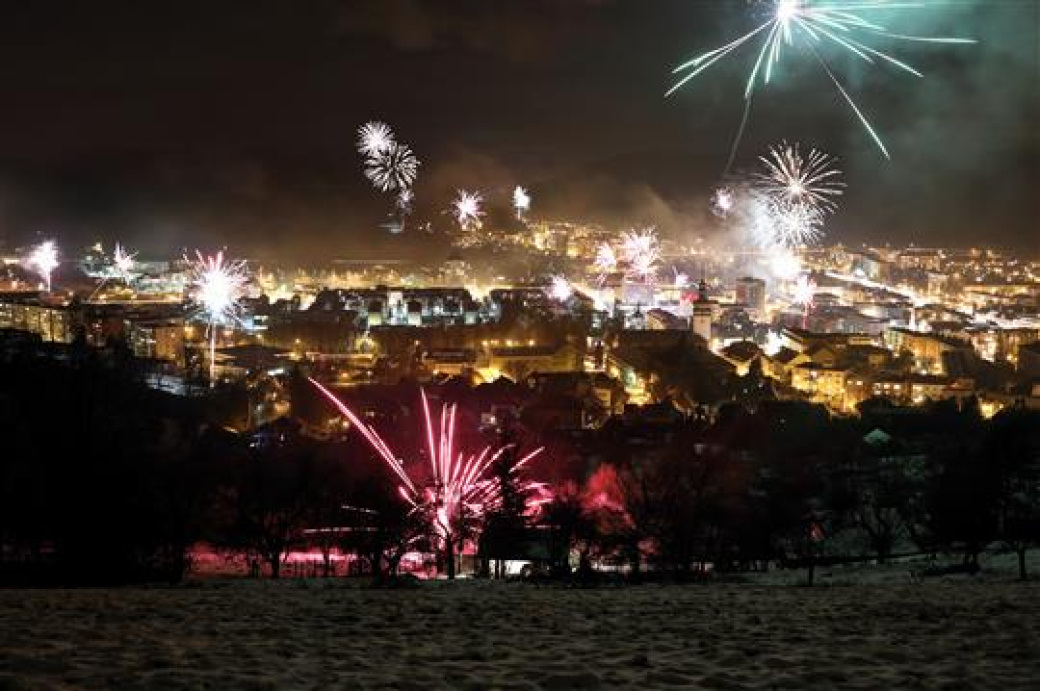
{"x":461,"y":485}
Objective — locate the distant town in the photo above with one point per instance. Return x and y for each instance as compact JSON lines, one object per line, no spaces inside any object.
{"x":700,"y":326}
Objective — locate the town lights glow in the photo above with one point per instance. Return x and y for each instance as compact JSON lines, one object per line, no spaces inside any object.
{"x":461,"y":485}
{"x":813,"y":26}
{"x":216,"y":286}
{"x":521,"y":202}
{"x":44,"y":260}
{"x":468,"y":208}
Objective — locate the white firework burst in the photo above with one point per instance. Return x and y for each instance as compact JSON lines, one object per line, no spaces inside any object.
{"x":560,"y":289}
{"x":791,"y":177}
{"x":404,"y":201}
{"x":393,"y":169}
{"x":521,"y":202}
{"x":44,"y":260}
{"x":722,"y":202}
{"x":123,"y":262}
{"x":216,"y":287}
{"x":374,"y":138}
{"x":605,"y":262}
{"x":468,"y":208}
{"x":804,"y":291}
{"x":642,"y":252}
{"x":774,"y":224}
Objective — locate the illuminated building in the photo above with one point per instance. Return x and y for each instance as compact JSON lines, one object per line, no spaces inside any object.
{"x":450,"y":361}
{"x":915,"y":389}
{"x":518,"y":361}
{"x":741,"y":355}
{"x":869,"y":265}
{"x":703,"y":313}
{"x":1029,"y":360}
{"x":156,"y":339}
{"x":751,"y":292}
{"x":823,"y":383}
{"x":659,"y":319}
{"x":928,"y":350}
{"x":53,"y":322}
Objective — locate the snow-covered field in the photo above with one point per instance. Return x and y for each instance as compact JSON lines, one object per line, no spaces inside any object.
{"x":941,"y":634}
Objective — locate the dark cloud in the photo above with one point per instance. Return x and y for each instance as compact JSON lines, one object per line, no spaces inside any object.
{"x":521,"y":32}
{"x":201,"y":122}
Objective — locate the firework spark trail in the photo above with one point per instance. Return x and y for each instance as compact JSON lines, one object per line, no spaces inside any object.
{"x":395,"y":168}
{"x":216,"y":286}
{"x":811,"y":25}
{"x":811,"y":179}
{"x":374,"y":138}
{"x":468,"y":209}
{"x":44,"y":260}
{"x":459,"y":482}
{"x":521,"y":202}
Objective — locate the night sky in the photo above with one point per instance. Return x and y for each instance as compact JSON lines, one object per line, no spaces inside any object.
{"x":166,"y":124}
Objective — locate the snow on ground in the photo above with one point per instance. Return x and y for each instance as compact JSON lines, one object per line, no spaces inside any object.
{"x":942,"y":634}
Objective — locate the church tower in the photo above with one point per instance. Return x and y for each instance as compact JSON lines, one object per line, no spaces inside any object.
{"x":703,"y":313}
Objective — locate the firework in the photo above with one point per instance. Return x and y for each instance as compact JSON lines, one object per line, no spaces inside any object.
{"x":216,"y":287}
{"x":44,"y":260}
{"x":811,"y":180}
{"x":774,"y":343}
{"x":468,"y":209}
{"x":681,"y":279}
{"x":813,"y":25}
{"x":404,"y":201}
{"x":722,"y":202}
{"x":374,"y":139}
{"x":123,"y":262}
{"x":560,"y":289}
{"x":521,"y":202}
{"x":641,"y":252}
{"x":793,"y":224}
{"x":395,"y":168}
{"x":459,"y":486}
{"x":804,"y":295}
{"x":606,"y":262}
{"x":773,"y":223}
{"x":784,"y":265}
